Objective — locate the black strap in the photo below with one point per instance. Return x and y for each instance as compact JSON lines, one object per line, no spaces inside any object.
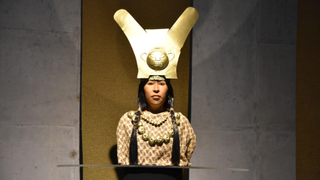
{"x":133,"y":148}
{"x":133,"y":151}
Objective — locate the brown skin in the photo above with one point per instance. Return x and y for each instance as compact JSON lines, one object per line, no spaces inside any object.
{"x":156,"y":93}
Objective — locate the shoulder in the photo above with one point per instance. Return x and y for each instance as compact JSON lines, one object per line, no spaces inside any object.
{"x":128,"y":116}
{"x":184,"y":121}
{"x":180,"y":116}
{"x":181,"y":119}
{"x":185,"y":125}
{"x":125,"y":121}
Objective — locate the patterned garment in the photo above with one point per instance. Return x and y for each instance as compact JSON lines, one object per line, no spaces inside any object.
{"x":155,"y":155}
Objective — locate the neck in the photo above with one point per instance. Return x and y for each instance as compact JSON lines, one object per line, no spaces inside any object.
{"x":156,"y":110}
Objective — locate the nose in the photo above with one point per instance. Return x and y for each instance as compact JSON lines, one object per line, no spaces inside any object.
{"x":155,"y":87}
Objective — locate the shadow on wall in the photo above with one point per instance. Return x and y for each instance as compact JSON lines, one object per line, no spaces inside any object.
{"x":114,"y":160}
{"x":224,"y":49}
{"x":224,"y":87}
{"x":244,"y":59}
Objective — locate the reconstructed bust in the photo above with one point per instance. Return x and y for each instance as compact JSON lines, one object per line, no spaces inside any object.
{"x":155,"y":134}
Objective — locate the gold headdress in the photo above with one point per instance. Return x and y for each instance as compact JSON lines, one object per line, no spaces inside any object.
{"x":157,"y":50}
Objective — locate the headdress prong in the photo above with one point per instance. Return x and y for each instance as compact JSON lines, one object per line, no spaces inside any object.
{"x":154,"y":55}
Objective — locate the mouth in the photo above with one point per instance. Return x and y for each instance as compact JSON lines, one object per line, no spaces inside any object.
{"x":156,"y":97}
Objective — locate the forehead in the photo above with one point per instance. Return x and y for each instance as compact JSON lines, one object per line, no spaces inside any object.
{"x":157,"y":81}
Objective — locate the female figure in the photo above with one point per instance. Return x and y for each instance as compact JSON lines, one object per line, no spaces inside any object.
{"x":155,"y":134}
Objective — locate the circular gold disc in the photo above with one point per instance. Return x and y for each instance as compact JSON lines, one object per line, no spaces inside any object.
{"x":157,"y":59}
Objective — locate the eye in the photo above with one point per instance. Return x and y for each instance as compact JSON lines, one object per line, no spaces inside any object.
{"x":150,"y":83}
{"x":162,"y":83}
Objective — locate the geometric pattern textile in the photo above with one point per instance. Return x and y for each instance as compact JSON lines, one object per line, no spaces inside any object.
{"x":155,"y":155}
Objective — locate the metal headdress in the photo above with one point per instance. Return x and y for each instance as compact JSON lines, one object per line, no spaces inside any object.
{"x":157,"y":50}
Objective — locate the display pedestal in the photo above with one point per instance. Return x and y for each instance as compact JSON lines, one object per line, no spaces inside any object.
{"x":152,"y":174}
{"x":139,"y":172}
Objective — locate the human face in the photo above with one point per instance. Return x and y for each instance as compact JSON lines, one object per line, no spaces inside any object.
{"x":156,"y":94}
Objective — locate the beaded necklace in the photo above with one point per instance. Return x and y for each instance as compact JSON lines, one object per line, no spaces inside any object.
{"x":158,"y":140}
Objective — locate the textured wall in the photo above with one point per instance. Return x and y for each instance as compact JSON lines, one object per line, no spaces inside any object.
{"x":243,"y":88}
{"x":307,"y":92}
{"x":39,"y":77}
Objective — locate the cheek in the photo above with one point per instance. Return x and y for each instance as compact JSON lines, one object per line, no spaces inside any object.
{"x":165,"y":91}
{"x":146,"y":90}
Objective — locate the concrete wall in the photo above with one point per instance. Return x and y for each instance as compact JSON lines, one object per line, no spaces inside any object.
{"x":243,"y":89}
{"x":39,"y":89}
